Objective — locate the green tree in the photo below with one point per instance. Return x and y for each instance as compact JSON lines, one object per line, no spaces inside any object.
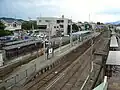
{"x":98,"y":23}
{"x":2,"y":26}
{"x":27,"y":25}
{"x":75,"y":28}
{"x":5,"y":33}
{"x":35,"y":24}
{"x":88,"y":26}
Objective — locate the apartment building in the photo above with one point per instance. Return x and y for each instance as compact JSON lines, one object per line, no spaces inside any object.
{"x":55,"y":25}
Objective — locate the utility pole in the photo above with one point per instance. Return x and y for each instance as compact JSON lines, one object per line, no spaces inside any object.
{"x":71,"y":33}
{"x":89,"y":17}
{"x":44,"y":47}
{"x":49,"y":33}
{"x":60,"y":40}
{"x":49,"y":44}
{"x":31,"y":23}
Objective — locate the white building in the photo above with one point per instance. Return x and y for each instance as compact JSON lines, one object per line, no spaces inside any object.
{"x":11,"y":24}
{"x":54,"y":24}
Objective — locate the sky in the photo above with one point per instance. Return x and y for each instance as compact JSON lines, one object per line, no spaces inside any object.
{"x":77,"y":10}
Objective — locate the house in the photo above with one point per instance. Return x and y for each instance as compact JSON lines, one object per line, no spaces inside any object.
{"x":54,"y":24}
{"x":11,"y":24}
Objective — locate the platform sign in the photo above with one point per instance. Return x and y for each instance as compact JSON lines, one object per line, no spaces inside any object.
{"x":50,"y":50}
{"x":50,"y":53}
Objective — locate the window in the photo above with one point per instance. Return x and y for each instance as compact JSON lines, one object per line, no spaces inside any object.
{"x":42,"y":26}
{"x":57,"y":27}
{"x":62,"y":21}
{"x":47,"y":20}
{"x":61,"y":26}
{"x":14,"y":25}
{"x":54,"y":26}
{"x":69,"y":21}
{"x":39,"y":20}
{"x":58,"y":21}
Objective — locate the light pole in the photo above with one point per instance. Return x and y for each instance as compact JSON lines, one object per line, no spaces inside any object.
{"x":78,"y":39}
{"x":44,"y":47}
{"x":71,"y":34}
{"x":49,"y":33}
{"x":60,"y":40}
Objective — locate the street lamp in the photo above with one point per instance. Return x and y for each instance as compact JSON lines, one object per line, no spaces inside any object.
{"x":71,"y":34}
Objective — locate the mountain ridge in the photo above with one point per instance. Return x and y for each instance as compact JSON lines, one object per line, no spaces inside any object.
{"x":5,"y":18}
{"x":114,"y":23}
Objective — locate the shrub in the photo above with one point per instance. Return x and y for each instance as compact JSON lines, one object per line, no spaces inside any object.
{"x":5,"y":33}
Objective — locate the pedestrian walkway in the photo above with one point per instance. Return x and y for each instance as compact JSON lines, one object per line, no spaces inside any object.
{"x":20,"y":74}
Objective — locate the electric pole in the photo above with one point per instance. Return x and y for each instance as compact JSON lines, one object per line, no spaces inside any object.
{"x":71,"y":33}
{"x":49,"y":33}
{"x":44,"y":47}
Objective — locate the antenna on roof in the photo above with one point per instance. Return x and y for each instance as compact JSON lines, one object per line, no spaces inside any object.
{"x":89,"y":17}
{"x":62,"y":16}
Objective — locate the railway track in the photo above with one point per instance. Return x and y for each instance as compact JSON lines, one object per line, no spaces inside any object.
{"x":70,"y":76}
{"x":43,"y":82}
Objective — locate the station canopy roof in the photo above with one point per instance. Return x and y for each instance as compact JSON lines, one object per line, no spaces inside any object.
{"x":20,"y":45}
{"x":113,"y":58}
{"x":113,"y":42}
{"x":80,"y":32}
{"x":16,"y":42}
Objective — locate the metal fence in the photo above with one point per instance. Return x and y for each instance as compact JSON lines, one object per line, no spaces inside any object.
{"x":20,"y":78}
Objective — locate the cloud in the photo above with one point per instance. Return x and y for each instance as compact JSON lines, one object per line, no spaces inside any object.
{"x":78,"y":10}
